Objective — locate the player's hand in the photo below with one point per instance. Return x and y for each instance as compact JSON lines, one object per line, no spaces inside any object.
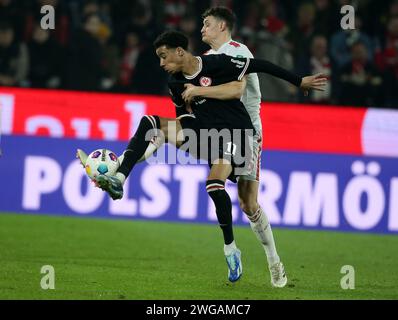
{"x":315,"y":82}
{"x":189,"y":93}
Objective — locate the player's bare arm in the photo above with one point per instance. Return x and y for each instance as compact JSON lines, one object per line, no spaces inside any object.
{"x":312,"y":82}
{"x":226,"y":91}
{"x":235,"y":89}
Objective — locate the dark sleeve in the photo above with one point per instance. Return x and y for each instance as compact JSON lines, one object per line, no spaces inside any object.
{"x":175,"y":93}
{"x":264,"y":66}
{"x":222,"y":65}
{"x":235,"y":67}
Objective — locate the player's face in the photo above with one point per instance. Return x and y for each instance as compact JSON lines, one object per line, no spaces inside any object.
{"x":170,"y":60}
{"x":211,"y":29}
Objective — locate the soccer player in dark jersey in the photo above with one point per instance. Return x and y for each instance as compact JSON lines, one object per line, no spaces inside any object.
{"x":171,"y":48}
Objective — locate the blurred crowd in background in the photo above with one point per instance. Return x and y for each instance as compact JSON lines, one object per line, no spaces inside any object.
{"x":106,"y":45}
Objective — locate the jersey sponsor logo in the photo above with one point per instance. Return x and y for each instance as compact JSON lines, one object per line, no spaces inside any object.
{"x":239,"y":64}
{"x":234,"y":44}
{"x":205,"y":81}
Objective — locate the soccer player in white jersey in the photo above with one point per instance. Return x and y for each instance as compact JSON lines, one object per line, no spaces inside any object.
{"x":218,"y":23}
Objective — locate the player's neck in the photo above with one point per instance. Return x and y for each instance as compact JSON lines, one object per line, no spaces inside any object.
{"x":191,"y":66}
{"x":222,"y":39}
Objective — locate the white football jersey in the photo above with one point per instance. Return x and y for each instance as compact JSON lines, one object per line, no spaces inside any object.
{"x":252,"y":96}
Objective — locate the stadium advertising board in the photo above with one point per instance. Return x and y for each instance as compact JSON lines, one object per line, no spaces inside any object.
{"x":339,"y":172}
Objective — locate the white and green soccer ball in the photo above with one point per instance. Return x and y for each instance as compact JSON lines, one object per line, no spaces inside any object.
{"x":101,"y":161}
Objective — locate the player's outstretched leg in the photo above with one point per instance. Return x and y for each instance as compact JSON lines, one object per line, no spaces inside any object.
{"x":138,"y":144}
{"x":222,"y":202}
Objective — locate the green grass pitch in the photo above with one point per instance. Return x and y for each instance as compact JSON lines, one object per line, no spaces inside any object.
{"x":124,"y":259}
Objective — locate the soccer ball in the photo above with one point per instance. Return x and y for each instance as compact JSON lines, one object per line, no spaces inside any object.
{"x":101,"y":161}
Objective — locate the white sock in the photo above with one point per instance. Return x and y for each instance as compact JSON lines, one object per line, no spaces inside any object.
{"x":121,"y":177}
{"x":228,"y":248}
{"x":262,"y":229}
{"x":152,"y":147}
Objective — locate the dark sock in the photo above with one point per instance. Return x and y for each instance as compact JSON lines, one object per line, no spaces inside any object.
{"x":137,"y":145}
{"x":222,"y":201}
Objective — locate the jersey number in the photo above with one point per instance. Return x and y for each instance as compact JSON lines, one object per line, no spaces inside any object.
{"x":231,"y":148}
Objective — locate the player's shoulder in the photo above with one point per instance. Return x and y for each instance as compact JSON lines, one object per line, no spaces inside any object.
{"x":235,"y":44}
{"x":237,"y":49}
{"x":174,"y":80}
{"x":214,"y":58}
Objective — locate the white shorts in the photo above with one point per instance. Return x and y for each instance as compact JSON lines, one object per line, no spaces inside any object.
{"x":253,"y":172}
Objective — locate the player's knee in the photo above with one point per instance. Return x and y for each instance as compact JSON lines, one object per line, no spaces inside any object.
{"x":162,"y":123}
{"x":168,"y":126}
{"x":249,"y":207}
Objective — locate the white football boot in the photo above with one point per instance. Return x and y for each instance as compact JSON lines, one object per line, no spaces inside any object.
{"x":82,"y":156}
{"x":278,"y":275}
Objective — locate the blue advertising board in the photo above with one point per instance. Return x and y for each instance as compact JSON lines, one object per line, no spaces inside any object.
{"x":300,"y":190}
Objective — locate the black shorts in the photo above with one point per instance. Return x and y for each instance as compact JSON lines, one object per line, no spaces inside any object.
{"x":233,"y":145}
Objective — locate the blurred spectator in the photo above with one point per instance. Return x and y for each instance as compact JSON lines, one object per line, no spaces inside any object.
{"x":14,"y":58}
{"x":248,"y":30}
{"x":393,"y":12}
{"x":360,"y":81}
{"x":317,"y":62}
{"x":270,"y":20}
{"x":86,"y":53}
{"x":341,"y":42}
{"x":46,"y":60}
{"x":110,"y":57}
{"x":90,"y":7}
{"x":174,"y":10}
{"x":387,"y":60}
{"x":117,"y":54}
{"x":327,"y":17}
{"x":260,"y":22}
{"x":274,"y":49}
{"x":141,"y":22}
{"x":148,"y":77}
{"x":13,"y":12}
{"x":301,"y":33}
{"x":130,"y":54}
{"x":189,"y":26}
{"x":376,"y":15}
{"x":100,"y":8}
{"x":388,"y":57}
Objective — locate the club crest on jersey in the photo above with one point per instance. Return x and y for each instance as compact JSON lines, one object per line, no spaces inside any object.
{"x":205,"y":81}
